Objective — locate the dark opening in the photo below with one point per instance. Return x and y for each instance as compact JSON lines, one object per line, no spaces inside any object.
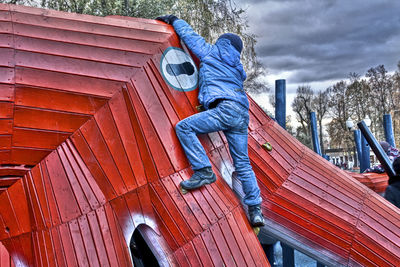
{"x":141,"y":253}
{"x":178,"y":69}
{"x":29,"y":166}
{"x":9,"y":165}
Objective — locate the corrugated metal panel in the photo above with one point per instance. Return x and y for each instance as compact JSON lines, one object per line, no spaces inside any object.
{"x":85,"y":104}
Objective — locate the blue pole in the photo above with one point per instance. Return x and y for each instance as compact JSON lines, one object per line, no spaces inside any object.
{"x":314,"y":133}
{"x":280,"y":102}
{"x":280,"y":116}
{"x":357,"y":140}
{"x":365,"y":161}
{"x":387,"y":126}
{"x":378,"y":150}
{"x":287,"y":255}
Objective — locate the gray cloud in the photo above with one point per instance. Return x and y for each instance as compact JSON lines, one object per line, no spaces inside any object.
{"x":317,"y":40}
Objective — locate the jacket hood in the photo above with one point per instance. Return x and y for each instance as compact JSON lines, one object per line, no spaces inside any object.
{"x":230,"y":55}
{"x":236,"y":41}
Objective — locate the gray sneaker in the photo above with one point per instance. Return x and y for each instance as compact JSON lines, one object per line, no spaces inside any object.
{"x":256,"y":217}
{"x":199,"y":178}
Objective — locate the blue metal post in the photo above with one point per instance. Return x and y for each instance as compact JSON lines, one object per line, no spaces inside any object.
{"x":314,"y":133}
{"x":378,"y":150}
{"x":387,"y":126}
{"x":287,"y":256}
{"x":280,"y":102}
{"x":357,"y":140}
{"x":280,"y":116}
{"x":365,"y":160}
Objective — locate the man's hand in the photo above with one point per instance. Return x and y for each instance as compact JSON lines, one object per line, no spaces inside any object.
{"x":167,"y":18}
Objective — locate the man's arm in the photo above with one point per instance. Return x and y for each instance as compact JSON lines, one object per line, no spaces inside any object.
{"x":194,"y":41}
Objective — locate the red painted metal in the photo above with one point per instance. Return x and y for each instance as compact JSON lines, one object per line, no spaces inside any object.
{"x":376,"y":181}
{"x":5,"y":259}
{"x":87,"y":135}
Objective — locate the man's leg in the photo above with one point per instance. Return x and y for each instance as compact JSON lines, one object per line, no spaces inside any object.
{"x":187,"y":130}
{"x":237,"y":139}
{"x":238,"y":150}
{"x":239,"y":153}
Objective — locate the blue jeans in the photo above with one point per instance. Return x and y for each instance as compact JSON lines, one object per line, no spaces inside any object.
{"x":233,"y":119}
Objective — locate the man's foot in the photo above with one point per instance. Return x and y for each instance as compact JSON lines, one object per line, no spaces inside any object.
{"x":256,"y":217}
{"x":198,"y":179}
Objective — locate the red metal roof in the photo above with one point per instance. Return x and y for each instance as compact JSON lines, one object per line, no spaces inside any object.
{"x":376,"y":181}
{"x":5,"y":260}
{"x":88,"y":118}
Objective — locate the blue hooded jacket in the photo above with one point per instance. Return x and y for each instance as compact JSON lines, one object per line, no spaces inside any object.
{"x":221,"y":73}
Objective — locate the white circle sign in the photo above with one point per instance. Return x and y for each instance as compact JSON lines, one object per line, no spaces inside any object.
{"x":178,"y":69}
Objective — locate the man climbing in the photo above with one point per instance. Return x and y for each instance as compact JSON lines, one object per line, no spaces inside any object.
{"x":226,"y":106}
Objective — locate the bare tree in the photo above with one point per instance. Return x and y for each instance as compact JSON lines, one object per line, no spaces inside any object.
{"x":319,"y":104}
{"x":301,"y":105}
{"x":360,"y":98}
{"x":382,"y":97}
{"x":339,"y":111}
{"x":396,"y":109}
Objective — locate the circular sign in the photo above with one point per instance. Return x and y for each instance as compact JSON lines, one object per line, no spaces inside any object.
{"x":178,"y":69}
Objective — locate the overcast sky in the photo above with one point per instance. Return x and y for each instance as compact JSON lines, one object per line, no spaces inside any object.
{"x":319,"y":42}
